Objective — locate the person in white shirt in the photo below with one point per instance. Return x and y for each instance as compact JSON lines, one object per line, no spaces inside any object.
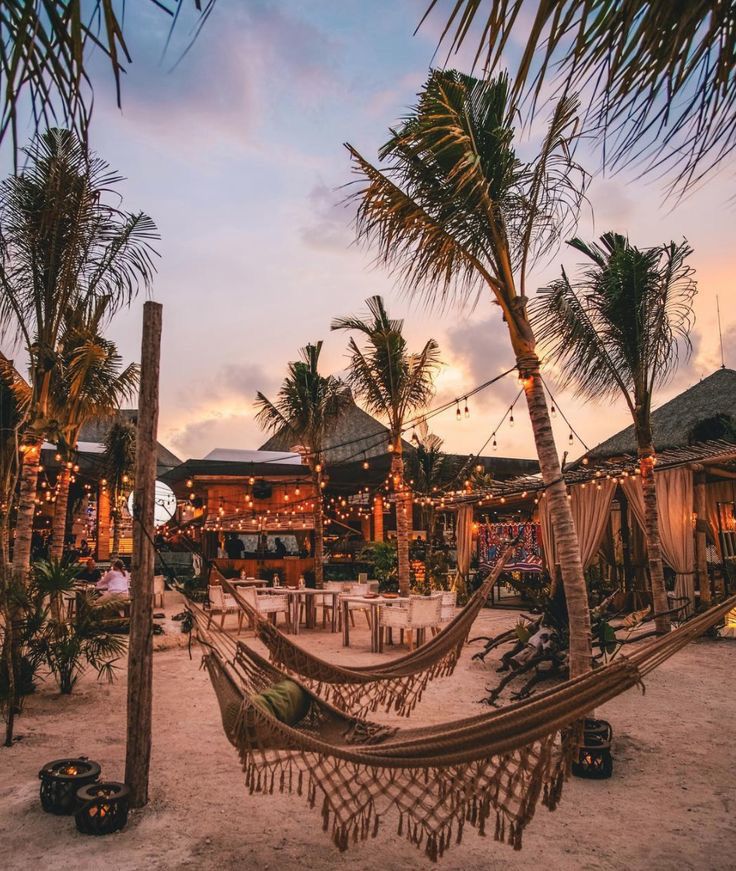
{"x":116,"y":582}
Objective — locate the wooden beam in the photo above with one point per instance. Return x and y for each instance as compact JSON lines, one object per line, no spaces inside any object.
{"x":720,"y":472}
{"x":140,"y":644}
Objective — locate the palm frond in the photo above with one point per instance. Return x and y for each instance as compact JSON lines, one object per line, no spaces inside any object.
{"x":46,"y":48}
{"x":660,"y":76}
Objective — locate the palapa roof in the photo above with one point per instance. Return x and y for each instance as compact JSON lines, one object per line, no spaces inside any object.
{"x":96,"y":431}
{"x":673,"y":423}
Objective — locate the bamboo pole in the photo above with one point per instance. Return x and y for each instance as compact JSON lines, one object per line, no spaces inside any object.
{"x":140,"y":646}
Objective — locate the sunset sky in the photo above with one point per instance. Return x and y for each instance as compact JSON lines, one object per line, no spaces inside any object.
{"x":238,"y":156}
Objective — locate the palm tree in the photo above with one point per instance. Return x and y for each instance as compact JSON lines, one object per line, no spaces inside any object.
{"x":659,"y":76}
{"x":307,"y":407}
{"x":619,"y":330}
{"x":14,"y":399}
{"x":47,"y":49}
{"x":393,"y":383}
{"x":89,"y":383}
{"x":455,"y":213}
{"x":430,"y":468}
{"x":62,"y":246}
{"x":119,"y":465}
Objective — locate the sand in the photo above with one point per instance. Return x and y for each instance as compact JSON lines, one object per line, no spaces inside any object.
{"x":670,"y":804}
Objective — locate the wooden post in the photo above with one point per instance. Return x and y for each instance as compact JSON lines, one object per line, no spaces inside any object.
{"x":701,"y":525}
{"x":140,"y":645}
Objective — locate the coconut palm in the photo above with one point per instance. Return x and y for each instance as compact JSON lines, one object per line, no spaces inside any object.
{"x":14,"y":398}
{"x":89,"y":384}
{"x":306,"y":408}
{"x":392,"y":383}
{"x":430,"y":468}
{"x":619,"y":330}
{"x":455,"y":214}
{"x":47,"y":49}
{"x":119,"y":465}
{"x":62,"y":245}
{"x":659,"y":77}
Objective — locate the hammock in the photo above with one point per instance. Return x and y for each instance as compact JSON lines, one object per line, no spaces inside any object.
{"x":399,"y":684}
{"x":438,"y":778}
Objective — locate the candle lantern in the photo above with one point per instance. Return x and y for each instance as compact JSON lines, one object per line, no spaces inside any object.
{"x":102,"y":808}
{"x":60,"y":781}
{"x":594,"y":759}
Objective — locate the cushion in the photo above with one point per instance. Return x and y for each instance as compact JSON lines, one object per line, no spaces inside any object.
{"x":285,"y":700}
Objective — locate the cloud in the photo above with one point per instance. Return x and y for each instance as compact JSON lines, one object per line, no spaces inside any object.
{"x":481,"y":347}
{"x":199,"y":437}
{"x":329,"y":228}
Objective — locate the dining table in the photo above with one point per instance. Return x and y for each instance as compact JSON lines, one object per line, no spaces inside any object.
{"x":374,"y":604}
{"x":310,"y":598}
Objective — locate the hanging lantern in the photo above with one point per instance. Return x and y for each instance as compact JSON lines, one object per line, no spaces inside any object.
{"x":511,"y":416}
{"x":467,"y":410}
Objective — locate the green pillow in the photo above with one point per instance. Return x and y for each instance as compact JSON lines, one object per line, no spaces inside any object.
{"x":285,"y":700}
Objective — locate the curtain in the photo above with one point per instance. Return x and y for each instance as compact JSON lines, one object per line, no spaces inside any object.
{"x":675,"y":507}
{"x":591,"y":509}
{"x":464,"y":535}
{"x":718,"y":491}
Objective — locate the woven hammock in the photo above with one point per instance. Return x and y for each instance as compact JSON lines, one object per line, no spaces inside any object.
{"x":438,"y":779}
{"x":399,"y":684}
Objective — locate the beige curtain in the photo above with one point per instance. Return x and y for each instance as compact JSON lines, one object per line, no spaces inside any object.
{"x":675,"y":507}
{"x":464,"y":535}
{"x":718,"y":491}
{"x":591,"y":509}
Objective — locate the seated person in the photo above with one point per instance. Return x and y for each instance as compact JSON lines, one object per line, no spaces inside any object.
{"x":90,"y":574}
{"x":84,"y":550}
{"x":115,"y":582}
{"x":234,"y":547}
{"x":280,"y":548}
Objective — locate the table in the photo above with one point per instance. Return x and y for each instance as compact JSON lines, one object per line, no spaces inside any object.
{"x":375,"y":618}
{"x":248,"y":582}
{"x":309,"y":597}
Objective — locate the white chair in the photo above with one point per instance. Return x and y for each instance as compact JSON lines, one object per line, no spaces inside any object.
{"x":449,"y":601}
{"x":268,"y":605}
{"x":159,"y":586}
{"x":326,"y":602}
{"x":359,"y":589}
{"x":418,"y":614}
{"x":223,"y":603}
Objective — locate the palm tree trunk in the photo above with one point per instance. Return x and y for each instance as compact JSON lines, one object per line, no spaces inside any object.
{"x":58,"y":527}
{"x":319,"y":534}
{"x":566,"y":538}
{"x":651,"y":534}
{"x":26,"y":511}
{"x":115,"y":548}
{"x":403,"y":518}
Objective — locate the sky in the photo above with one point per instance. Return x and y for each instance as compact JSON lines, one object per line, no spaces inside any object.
{"x":237,"y":154}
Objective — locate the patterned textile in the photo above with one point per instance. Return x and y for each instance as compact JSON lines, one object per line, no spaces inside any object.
{"x":526,"y":556}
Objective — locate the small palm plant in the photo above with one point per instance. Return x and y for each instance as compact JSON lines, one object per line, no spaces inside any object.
{"x":67,"y":647}
{"x":307,"y":406}
{"x":393,"y":383}
{"x":619,"y":331}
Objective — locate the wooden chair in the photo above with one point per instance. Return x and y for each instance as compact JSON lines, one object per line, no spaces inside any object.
{"x":223,"y":603}
{"x":447,"y":611}
{"x":414,"y":618}
{"x":326,"y":603}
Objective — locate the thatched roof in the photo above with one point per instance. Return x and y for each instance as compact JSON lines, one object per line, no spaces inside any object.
{"x":97,"y":430}
{"x":685,"y":419}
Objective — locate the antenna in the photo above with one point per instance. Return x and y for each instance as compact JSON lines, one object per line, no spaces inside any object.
{"x":720,"y":333}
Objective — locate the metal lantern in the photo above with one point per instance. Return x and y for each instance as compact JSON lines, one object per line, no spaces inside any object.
{"x":102,"y":808}
{"x":60,"y":781}
{"x":594,"y":760}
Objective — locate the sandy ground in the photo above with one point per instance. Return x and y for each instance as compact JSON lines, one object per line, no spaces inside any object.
{"x":670,"y":804}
